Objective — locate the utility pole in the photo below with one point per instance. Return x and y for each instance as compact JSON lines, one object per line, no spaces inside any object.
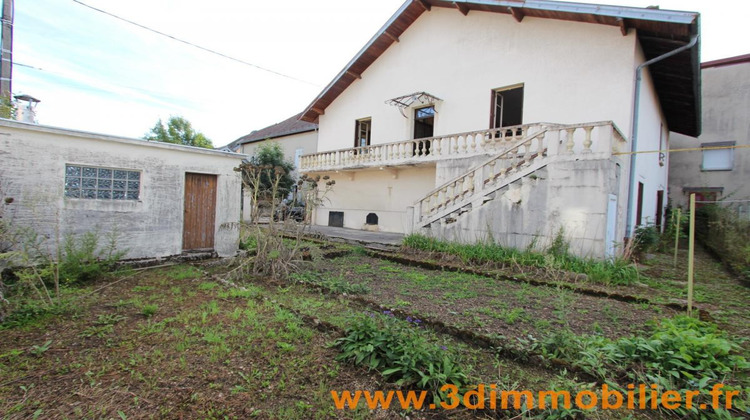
{"x":6,"y":66}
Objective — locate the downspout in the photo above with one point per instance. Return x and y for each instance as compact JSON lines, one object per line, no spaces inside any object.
{"x":634,"y":133}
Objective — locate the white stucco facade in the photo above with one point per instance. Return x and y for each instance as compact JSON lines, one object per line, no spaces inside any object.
{"x":571,"y":73}
{"x":33,"y":172}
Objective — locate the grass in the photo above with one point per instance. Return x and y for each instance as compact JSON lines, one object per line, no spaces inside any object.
{"x":156,"y":346}
{"x":607,"y":272}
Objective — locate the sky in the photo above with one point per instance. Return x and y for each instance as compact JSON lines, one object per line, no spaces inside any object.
{"x":93,"y":72}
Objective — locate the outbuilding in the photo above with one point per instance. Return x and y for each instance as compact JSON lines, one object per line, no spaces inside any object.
{"x":157,"y":199}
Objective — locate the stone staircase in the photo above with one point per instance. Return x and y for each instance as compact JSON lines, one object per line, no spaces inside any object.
{"x":546,"y":144}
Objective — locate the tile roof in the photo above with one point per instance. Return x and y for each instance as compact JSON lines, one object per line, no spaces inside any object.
{"x":292,"y":125}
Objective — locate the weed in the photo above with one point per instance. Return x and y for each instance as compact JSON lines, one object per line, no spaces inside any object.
{"x":615,"y":272}
{"x":207,"y":286}
{"x":184,"y":272}
{"x":37,"y":350}
{"x":149,"y":310}
{"x":400,"y":352}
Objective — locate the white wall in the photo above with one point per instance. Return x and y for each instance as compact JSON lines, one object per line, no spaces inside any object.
{"x":33,"y":174}
{"x":384,"y":192}
{"x":571,"y":72}
{"x":653,"y":134}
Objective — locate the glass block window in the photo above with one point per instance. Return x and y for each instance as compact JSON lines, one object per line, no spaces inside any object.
{"x":90,"y":182}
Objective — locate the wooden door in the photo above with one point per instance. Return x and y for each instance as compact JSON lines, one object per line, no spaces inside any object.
{"x":200,"y":212}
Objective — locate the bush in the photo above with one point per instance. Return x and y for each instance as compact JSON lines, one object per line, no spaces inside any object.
{"x":83,"y":260}
{"x":646,"y":239}
{"x":681,"y":353}
{"x":400,"y":352}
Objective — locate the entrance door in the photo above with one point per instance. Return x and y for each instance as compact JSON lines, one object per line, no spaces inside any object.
{"x":200,"y":212}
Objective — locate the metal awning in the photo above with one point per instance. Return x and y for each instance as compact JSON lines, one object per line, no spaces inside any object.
{"x":403,"y":102}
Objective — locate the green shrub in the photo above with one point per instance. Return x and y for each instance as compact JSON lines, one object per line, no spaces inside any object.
{"x":681,"y":353}
{"x":400,"y":351}
{"x":83,"y":260}
{"x":646,"y":238}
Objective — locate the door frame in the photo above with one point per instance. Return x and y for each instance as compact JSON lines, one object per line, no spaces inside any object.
{"x":184,"y":210}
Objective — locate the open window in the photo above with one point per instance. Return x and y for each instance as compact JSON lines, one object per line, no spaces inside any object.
{"x":507,"y":107}
{"x":362,"y":132}
{"x":424,"y":127}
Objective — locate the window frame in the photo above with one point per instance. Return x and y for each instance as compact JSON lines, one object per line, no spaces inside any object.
{"x":101,"y":191}
{"x":717,"y":144}
{"x":494,"y":106}
{"x":357,"y":130}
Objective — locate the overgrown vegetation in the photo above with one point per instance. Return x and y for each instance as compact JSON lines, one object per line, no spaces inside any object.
{"x":725,"y":233}
{"x":401,"y":353}
{"x":680,"y":353}
{"x":557,"y":257}
{"x":266,"y":180}
{"x":34,"y":268}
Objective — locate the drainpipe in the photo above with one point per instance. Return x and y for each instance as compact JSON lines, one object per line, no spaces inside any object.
{"x":634,"y":134}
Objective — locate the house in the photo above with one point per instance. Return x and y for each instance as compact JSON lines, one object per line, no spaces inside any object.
{"x":161,"y":199}
{"x":508,"y":120}
{"x":716,"y":165}
{"x":295,"y":137}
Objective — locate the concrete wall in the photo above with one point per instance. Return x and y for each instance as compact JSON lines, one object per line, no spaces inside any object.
{"x":307,"y":141}
{"x":726,"y":101}
{"x":571,"y":73}
{"x":386,"y":193}
{"x":530,"y":212}
{"x":33,"y":174}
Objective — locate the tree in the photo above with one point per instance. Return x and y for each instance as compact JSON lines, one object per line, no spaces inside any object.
{"x":178,"y":131}
{"x":272,"y":156}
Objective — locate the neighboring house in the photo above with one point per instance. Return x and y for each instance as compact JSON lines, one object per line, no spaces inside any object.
{"x":506,"y":120}
{"x":715,"y":174}
{"x":162,"y":199}
{"x":295,"y":137}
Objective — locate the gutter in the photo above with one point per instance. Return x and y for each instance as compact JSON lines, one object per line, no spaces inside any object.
{"x":634,"y":134}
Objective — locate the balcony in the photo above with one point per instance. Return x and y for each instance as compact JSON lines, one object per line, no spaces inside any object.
{"x":420,"y":151}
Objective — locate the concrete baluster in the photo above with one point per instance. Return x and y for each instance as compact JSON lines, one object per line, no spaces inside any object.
{"x":587,"y":141}
{"x":570,"y":143}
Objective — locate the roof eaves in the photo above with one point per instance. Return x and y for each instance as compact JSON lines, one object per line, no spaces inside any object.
{"x":361,"y":52}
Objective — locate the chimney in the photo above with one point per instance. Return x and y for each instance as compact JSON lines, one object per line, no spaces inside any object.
{"x":26,"y":108}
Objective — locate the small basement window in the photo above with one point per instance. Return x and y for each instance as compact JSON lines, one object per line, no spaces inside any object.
{"x":97,"y":183}
{"x":372,"y":219}
{"x":718,"y":159}
{"x":336,"y":218}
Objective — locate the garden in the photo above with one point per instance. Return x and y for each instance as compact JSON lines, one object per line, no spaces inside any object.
{"x":294,"y":321}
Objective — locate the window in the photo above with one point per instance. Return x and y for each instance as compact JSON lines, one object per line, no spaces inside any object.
{"x":507,"y":107}
{"x":362,"y":131}
{"x":297,"y":156}
{"x":718,"y":159}
{"x":424,"y":122}
{"x":101,"y":183}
